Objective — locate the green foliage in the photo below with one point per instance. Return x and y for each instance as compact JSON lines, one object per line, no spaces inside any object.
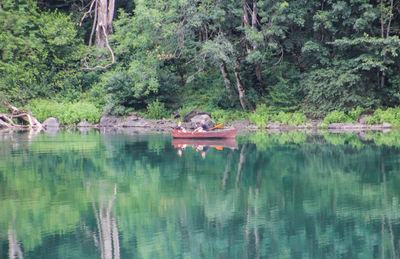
{"x":299,"y":56}
{"x":337,"y":117}
{"x":261,"y":115}
{"x":40,"y":54}
{"x":355,"y":113}
{"x":288,"y":118}
{"x":224,"y":116}
{"x":391,"y":115}
{"x":298,"y":118}
{"x":369,"y":119}
{"x":66,"y":113}
{"x":156,"y":110}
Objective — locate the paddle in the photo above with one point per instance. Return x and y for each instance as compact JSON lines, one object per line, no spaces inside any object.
{"x":216,"y":127}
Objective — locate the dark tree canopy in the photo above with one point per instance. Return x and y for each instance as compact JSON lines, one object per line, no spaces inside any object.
{"x":309,"y":55}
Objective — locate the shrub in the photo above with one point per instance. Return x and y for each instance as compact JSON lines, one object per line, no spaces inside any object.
{"x":66,"y":113}
{"x":298,"y":118}
{"x":156,"y":110}
{"x":283,"y":117}
{"x":369,"y":119}
{"x":185,"y":110}
{"x":224,"y":116}
{"x":390,"y":115}
{"x":336,"y":117}
{"x":261,"y":116}
{"x":355,"y":113}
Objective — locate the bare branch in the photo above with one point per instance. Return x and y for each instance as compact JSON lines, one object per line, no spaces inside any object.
{"x":94,"y":25}
{"x":87,"y":13}
{"x":111,"y":51}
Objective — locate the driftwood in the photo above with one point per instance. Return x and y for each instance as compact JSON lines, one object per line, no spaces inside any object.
{"x":7,"y":119}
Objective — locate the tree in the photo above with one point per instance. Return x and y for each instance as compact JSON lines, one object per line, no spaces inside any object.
{"x":102,"y":25}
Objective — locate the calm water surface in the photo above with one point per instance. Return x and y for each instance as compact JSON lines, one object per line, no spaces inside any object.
{"x":287,"y":195}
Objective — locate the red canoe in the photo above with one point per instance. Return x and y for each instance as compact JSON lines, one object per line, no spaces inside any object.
{"x":227,"y":133}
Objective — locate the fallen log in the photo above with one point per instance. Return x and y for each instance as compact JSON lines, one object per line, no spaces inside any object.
{"x":7,"y":119}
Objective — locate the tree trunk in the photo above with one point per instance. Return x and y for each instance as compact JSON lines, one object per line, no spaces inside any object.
{"x":227,"y":80}
{"x":255,"y":44}
{"x":246,"y":23}
{"x":105,"y":15}
{"x":258,"y":72}
{"x":239,"y":85}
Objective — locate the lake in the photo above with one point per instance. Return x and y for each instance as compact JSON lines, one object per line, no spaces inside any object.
{"x":284,"y":195}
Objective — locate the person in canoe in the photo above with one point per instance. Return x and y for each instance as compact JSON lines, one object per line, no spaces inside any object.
{"x":203,"y":127}
{"x":179,"y":127}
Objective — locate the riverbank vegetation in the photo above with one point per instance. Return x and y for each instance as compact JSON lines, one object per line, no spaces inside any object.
{"x":279,"y":61}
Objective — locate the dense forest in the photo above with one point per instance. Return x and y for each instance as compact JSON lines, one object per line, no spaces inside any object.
{"x":217,"y":55}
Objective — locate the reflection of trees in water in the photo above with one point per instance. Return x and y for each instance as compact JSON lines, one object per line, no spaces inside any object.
{"x":386,"y":218}
{"x":107,"y":236}
{"x":14,"y":249}
{"x":242,"y":160}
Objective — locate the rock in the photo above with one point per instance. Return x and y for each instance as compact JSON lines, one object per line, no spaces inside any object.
{"x":166,"y":125}
{"x":141,"y":123}
{"x":386,"y":125}
{"x":362,"y":119}
{"x":109,"y":121}
{"x":243,"y":124}
{"x":273,"y":125}
{"x":196,"y":121}
{"x":347,"y":126}
{"x":83,"y":124}
{"x":188,"y":117}
{"x":51,"y":123}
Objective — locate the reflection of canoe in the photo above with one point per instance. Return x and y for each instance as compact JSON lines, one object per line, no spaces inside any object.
{"x":228,"y":143}
{"x":227,"y":133}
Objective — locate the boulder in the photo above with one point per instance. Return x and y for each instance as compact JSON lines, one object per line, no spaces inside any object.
{"x":109,"y":121}
{"x":362,"y":119}
{"x":141,"y":123}
{"x":83,"y":124}
{"x":51,"y":123}
{"x":196,"y":121}
{"x":273,"y":125}
{"x":188,"y":117}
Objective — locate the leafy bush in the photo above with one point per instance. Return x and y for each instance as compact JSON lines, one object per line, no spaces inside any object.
{"x":185,"y":110}
{"x":224,"y":116}
{"x":355,"y":113}
{"x":323,"y":125}
{"x":298,"y":118}
{"x":391,"y":115}
{"x":156,"y":110}
{"x":337,"y":117}
{"x":369,"y":119}
{"x":261,"y":116}
{"x":288,"y":118}
{"x":66,"y":113}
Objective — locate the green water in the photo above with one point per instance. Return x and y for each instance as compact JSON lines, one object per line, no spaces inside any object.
{"x":288,"y":195}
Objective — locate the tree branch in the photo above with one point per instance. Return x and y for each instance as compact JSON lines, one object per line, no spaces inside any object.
{"x":87,"y":13}
{"x":111,"y":51}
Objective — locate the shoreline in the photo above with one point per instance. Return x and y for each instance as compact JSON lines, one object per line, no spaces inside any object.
{"x":137,"y":124}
